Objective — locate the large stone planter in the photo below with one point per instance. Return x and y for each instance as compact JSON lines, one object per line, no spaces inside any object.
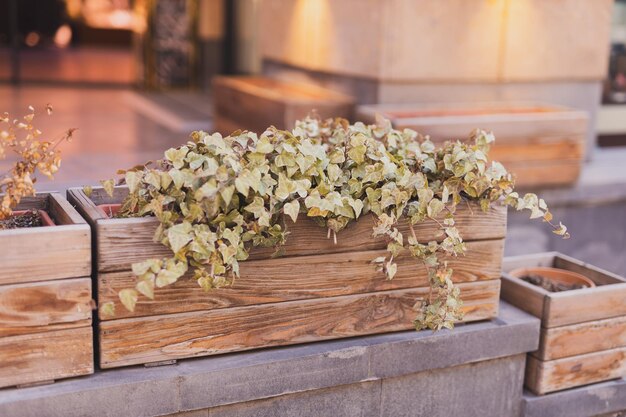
{"x":317,"y":291}
{"x":45,"y":297}
{"x":583,"y":334}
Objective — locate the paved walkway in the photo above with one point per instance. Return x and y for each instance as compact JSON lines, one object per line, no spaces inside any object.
{"x":111,"y":134}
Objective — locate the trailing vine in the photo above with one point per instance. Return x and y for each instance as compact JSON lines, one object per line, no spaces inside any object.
{"x":217,"y":197}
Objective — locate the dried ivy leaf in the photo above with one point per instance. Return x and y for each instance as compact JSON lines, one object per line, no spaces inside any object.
{"x":129,"y":298}
{"x":109,"y":186}
{"x":108,"y":309}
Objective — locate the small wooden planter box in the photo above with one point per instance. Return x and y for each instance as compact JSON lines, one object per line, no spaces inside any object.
{"x":255,"y":103}
{"x":583,"y":333}
{"x":541,"y":144}
{"x":45,"y":297}
{"x":317,"y":291}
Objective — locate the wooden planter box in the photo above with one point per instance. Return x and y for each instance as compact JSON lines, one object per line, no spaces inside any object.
{"x":583,"y":332}
{"x":541,"y":144}
{"x":316,"y":291}
{"x":255,"y":103}
{"x":45,"y":297}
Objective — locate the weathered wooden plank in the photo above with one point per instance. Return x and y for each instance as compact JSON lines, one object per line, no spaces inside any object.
{"x":577,"y":306}
{"x":578,"y":339}
{"x":597,"y":275}
{"x":255,"y":103}
{"x":46,"y":356}
{"x":121,"y":242}
{"x":544,"y":377}
{"x":543,"y":173}
{"x":44,"y":253}
{"x":510,"y":263}
{"x":523,"y":295}
{"x":45,"y":306}
{"x":296,"y":278}
{"x":164,"y":337}
{"x":511,"y":122}
{"x":62,"y":211}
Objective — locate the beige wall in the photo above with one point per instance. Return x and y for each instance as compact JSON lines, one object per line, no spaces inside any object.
{"x":440,"y":40}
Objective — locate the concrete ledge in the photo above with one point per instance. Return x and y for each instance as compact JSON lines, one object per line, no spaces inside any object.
{"x":236,"y":378}
{"x":592,"y":400}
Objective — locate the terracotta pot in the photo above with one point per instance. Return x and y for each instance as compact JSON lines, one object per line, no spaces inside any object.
{"x":109,"y":210}
{"x":46,"y":220}
{"x":561,"y":276}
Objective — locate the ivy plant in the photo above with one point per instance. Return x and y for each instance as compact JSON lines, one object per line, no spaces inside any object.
{"x":217,"y":197}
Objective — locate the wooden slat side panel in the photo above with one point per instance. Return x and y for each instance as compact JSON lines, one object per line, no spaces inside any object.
{"x":552,"y":148}
{"x":156,"y":338}
{"x":62,"y":211}
{"x":121,"y":242}
{"x":46,"y":356}
{"x":294,"y":278}
{"x":510,"y":127}
{"x":578,"y":339}
{"x":44,"y":306}
{"x":523,"y":296}
{"x":85,"y":205}
{"x":597,"y":275}
{"x":45,"y":253}
{"x":587,"y":304}
{"x":555,"y":172}
{"x":545,"y":377}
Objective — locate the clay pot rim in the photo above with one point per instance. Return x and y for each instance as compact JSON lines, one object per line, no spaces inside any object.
{"x":108,"y":210}
{"x":46,"y":220}
{"x":570,"y":277}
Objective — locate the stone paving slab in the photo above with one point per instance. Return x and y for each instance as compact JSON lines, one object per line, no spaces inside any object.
{"x":587,"y":401}
{"x":236,"y":378}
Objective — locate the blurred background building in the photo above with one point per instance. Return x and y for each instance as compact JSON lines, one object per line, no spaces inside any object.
{"x":548,"y":76}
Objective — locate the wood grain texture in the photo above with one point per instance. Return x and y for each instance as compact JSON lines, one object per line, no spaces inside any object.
{"x":45,"y":253}
{"x":274,"y":280}
{"x":511,"y":122}
{"x":255,"y":103}
{"x":150,"y":339}
{"x":45,"y":306}
{"x":542,"y":145}
{"x":121,"y":242}
{"x":564,"y":308}
{"x":543,"y":173}
{"x":46,"y":356}
{"x":523,"y":295}
{"x":549,"y":376}
{"x":578,"y":339}
{"x":578,"y":306}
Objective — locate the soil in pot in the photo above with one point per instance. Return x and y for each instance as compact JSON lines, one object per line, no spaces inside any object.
{"x":553,"y":279}
{"x":26,"y":218}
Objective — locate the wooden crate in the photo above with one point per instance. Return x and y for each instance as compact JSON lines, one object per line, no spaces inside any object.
{"x":541,"y":144}
{"x":583,"y":332}
{"x":317,"y":291}
{"x":45,"y":297}
{"x":255,"y":103}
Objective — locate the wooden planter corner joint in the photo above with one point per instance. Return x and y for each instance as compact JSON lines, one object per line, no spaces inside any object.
{"x":45,"y":297}
{"x":317,"y":290}
{"x":583,"y":332}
